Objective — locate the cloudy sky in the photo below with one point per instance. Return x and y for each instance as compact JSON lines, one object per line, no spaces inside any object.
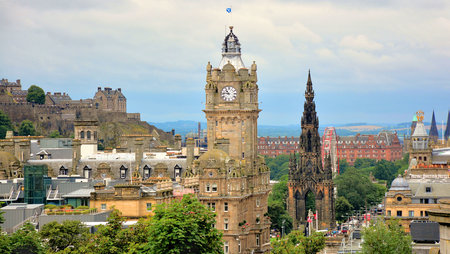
{"x":370,"y":62}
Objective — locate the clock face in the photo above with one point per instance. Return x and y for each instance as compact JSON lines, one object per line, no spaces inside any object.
{"x":228,"y":93}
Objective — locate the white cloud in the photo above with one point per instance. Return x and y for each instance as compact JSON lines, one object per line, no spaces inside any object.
{"x":359,"y":42}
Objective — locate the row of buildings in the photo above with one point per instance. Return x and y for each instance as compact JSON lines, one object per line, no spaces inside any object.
{"x":230,"y":178}
{"x":424,"y":185}
{"x":107,"y":99}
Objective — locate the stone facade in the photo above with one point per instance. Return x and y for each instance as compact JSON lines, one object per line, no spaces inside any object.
{"x":306,"y":174}
{"x":232,"y":179}
{"x":110,"y":100}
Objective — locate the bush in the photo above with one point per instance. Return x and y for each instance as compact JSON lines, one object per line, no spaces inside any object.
{"x":83,"y":207}
{"x":50,"y":206}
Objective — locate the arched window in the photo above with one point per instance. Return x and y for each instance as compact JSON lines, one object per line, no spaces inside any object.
{"x":88,"y":135}
{"x":81,"y":134}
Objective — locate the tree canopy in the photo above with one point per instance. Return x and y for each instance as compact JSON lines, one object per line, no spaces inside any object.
{"x":358,"y":189}
{"x":5,"y":124}
{"x":184,"y":226}
{"x":277,"y":206}
{"x":386,"y":238}
{"x":279,"y":166}
{"x":296,"y":242}
{"x":26,"y":128}
{"x":68,"y":234}
{"x":36,"y":95}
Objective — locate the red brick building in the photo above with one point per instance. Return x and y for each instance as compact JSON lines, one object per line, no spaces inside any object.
{"x":384,"y":146}
{"x":274,"y":146}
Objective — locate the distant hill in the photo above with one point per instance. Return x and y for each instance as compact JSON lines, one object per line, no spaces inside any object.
{"x":349,"y":129}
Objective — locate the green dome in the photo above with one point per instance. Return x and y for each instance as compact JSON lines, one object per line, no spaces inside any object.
{"x":415,"y":118}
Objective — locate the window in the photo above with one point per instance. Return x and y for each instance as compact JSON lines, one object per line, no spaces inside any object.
{"x":225,"y":247}
{"x":214,"y":187}
{"x":88,"y":135}
{"x":258,"y":202}
{"x":208,"y":188}
{"x":239,"y":246}
{"x":103,"y":206}
{"x":411,"y":213}
{"x":123,"y":172}
{"x":426,"y":213}
{"x":225,"y":207}
{"x":225,"y":224}
{"x":257,"y":239}
{"x":82,"y":134}
{"x":421,"y":213}
{"x":149,"y":206}
{"x":426,"y":200}
{"x":212,"y":206}
{"x":427,"y":189}
{"x":258,"y":220}
{"x":399,"y":213}
{"x":389,"y":213}
{"x":421,"y":200}
{"x":87,"y":172}
{"x":146,"y":172}
{"x":63,"y":171}
{"x":399,"y":199}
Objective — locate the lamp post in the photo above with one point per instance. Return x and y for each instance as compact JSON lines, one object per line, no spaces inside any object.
{"x":282,"y":228}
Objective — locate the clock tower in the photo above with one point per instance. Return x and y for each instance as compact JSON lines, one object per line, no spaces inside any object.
{"x":232,"y":102}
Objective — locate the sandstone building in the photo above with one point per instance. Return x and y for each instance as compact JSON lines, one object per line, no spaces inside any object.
{"x":307,"y":175}
{"x":426,"y":181}
{"x":232,"y":179}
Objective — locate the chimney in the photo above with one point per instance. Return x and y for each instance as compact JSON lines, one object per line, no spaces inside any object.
{"x":178,"y":141}
{"x":99,"y":88}
{"x":49,"y":93}
{"x":223,"y":144}
{"x":18,"y":82}
{"x":76,"y":155}
{"x":119,"y":89}
{"x":138,"y":153}
{"x":189,"y":151}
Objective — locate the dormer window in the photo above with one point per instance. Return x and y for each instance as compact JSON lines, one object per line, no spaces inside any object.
{"x":147,"y":170}
{"x":123,"y":172}
{"x":428,"y":189}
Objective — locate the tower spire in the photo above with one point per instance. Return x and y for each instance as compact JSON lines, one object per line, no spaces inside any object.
{"x":447,"y":129}
{"x":434,"y":135}
{"x":309,"y":93}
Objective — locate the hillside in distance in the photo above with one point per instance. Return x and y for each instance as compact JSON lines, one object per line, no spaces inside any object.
{"x":184,"y":127}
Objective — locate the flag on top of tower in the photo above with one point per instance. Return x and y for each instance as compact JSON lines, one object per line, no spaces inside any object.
{"x":229,"y":10}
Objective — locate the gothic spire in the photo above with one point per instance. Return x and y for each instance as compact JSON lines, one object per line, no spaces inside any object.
{"x":434,"y":135}
{"x":447,"y":129}
{"x":309,"y":93}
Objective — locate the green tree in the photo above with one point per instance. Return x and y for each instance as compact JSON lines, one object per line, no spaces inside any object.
{"x":296,"y":242}
{"x":343,"y":165}
{"x":386,"y":238}
{"x":184,"y":226}
{"x":26,"y":240}
{"x":386,"y":170}
{"x":277,"y":207}
{"x":68,"y":234}
{"x":55,"y":134}
{"x":342,"y":207}
{"x":358,"y":189}
{"x":279,"y":166}
{"x":36,"y":95}
{"x":27,"y":128}
{"x":5,"y":124}
{"x":109,"y":238}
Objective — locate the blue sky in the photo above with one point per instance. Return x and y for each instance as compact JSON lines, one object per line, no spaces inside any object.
{"x":370,"y":62}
